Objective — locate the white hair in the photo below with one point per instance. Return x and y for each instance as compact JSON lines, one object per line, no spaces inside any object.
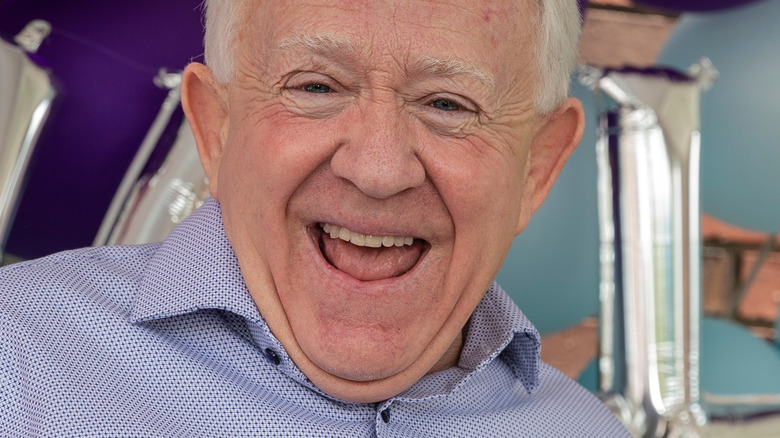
{"x":558,"y":25}
{"x":558,"y":33}
{"x":221,"y":19}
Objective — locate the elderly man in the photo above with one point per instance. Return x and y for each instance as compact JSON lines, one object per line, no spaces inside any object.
{"x":370,"y":163}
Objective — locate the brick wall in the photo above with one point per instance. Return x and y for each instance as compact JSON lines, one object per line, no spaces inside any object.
{"x":741,"y":275}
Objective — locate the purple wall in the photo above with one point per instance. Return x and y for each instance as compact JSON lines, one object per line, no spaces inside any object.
{"x":103,"y":55}
{"x":695,"y":5}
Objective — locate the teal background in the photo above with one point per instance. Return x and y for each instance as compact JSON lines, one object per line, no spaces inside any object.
{"x":552,"y":270}
{"x":740,"y":161}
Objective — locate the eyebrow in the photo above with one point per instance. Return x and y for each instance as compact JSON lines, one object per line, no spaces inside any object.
{"x":329,"y":45}
{"x":428,"y":66}
{"x":323,"y":44}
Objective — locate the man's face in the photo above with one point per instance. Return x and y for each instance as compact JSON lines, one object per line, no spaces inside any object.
{"x":371,"y":166}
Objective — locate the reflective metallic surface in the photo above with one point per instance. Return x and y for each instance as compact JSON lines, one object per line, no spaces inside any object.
{"x":148,"y":205}
{"x":26,"y":93}
{"x":32,"y":36}
{"x":648,"y":160}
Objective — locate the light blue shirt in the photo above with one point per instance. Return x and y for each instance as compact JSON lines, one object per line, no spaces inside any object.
{"x":164,"y":340}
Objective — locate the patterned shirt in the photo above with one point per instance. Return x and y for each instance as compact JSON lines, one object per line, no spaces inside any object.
{"x":164,"y":340}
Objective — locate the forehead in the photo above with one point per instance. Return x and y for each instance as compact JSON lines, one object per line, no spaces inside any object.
{"x":496,"y":36}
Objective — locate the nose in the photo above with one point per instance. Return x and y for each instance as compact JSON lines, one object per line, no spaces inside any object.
{"x":379,"y":151}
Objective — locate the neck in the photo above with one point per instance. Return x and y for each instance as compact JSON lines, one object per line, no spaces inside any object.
{"x":450,"y":357}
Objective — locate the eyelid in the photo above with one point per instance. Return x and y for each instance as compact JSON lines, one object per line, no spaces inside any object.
{"x":300,"y":79}
{"x":314,"y":105}
{"x":456,"y":123}
{"x":464,"y":103}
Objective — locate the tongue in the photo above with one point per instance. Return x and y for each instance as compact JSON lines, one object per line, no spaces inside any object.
{"x":367,"y":264}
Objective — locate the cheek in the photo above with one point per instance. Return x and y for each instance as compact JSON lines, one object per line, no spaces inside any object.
{"x":481,"y":187}
{"x":482,"y":190}
{"x":271,"y":154}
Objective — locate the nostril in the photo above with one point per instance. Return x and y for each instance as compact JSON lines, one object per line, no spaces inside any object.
{"x":379,"y":168}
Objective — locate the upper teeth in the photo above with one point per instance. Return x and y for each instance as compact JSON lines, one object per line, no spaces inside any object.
{"x":358,"y":239}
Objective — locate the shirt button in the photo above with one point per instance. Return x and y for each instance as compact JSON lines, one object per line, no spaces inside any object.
{"x":272,"y":356}
{"x":385,"y":415}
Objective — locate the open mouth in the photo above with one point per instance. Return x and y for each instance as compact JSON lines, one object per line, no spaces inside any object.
{"x":368,"y":257}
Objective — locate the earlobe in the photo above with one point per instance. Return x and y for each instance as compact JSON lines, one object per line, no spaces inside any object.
{"x":205,"y":104}
{"x":557,"y":137}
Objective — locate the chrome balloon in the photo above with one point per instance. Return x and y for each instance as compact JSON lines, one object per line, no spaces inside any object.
{"x":147,"y":207}
{"x":648,"y":164}
{"x":26,"y":93}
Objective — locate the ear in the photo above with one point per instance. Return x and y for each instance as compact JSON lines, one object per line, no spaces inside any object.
{"x":205,"y":105}
{"x":557,"y":136}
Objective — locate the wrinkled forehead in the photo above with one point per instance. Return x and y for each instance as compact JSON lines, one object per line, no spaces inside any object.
{"x":492,"y":38}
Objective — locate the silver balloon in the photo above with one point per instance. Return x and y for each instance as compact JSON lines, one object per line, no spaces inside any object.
{"x":26,"y":93}
{"x":146,"y":206}
{"x":648,"y":164}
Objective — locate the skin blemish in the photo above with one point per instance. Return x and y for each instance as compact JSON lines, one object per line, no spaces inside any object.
{"x":489,"y":13}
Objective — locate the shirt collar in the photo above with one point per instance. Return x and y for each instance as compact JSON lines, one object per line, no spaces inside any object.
{"x":195,"y":268}
{"x":499,"y":329}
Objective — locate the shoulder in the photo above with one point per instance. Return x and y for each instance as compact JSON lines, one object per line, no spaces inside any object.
{"x":522,"y":393}
{"x":556,"y":406}
{"x":575,"y":410}
{"x":494,"y":402}
{"x":60,"y":317}
{"x":61,"y":283}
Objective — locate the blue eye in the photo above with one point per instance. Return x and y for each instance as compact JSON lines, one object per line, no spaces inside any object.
{"x":317,"y":88}
{"x":445,"y":105}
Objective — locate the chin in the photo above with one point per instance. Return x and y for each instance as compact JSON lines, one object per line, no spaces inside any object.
{"x":362,"y":354}
{"x":363,"y":373}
